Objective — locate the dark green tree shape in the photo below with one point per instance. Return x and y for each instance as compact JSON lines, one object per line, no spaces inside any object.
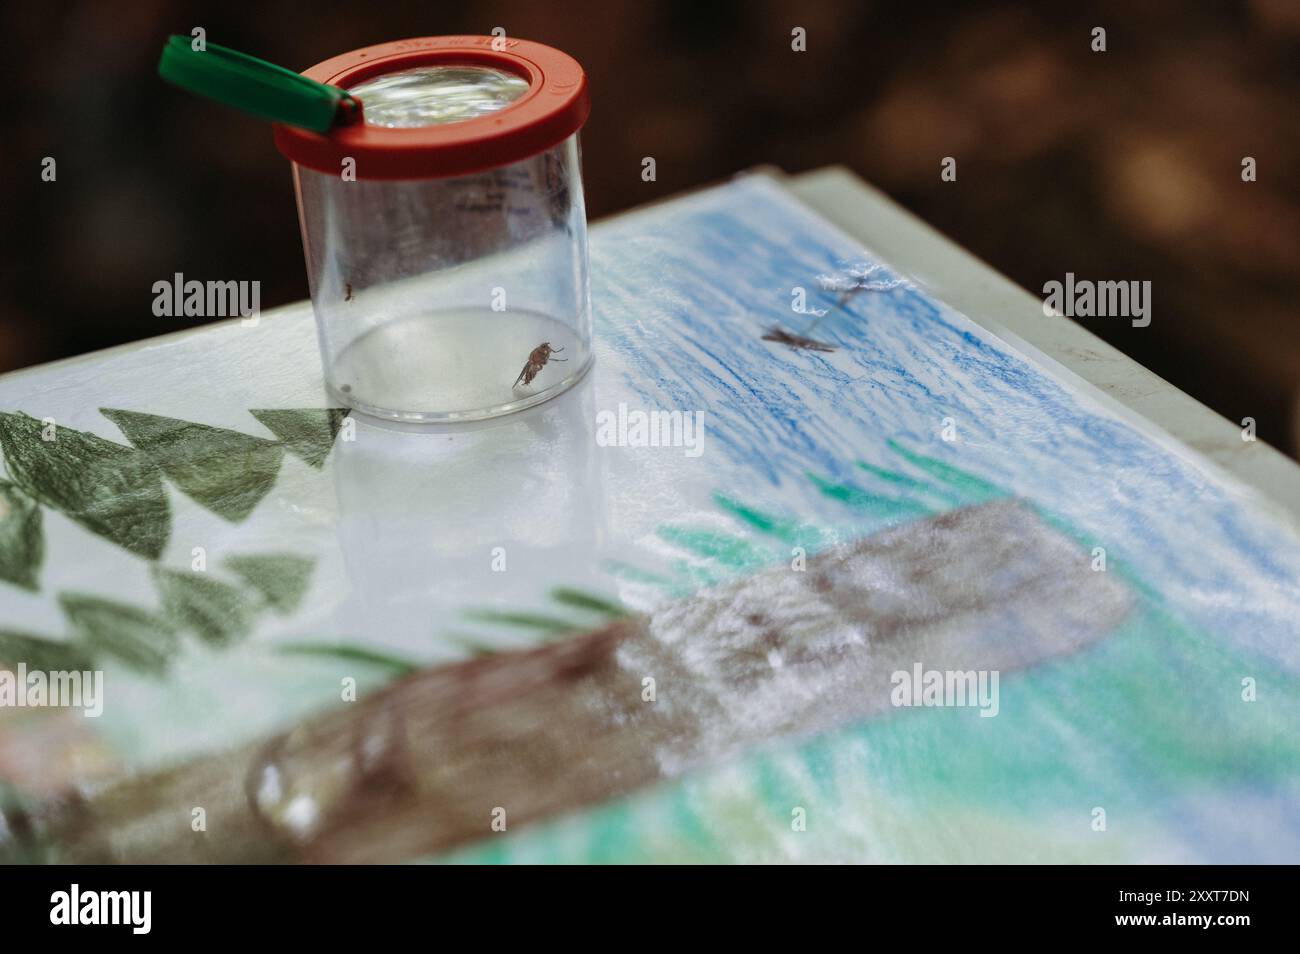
{"x":141,"y":639}
{"x":280,"y":578}
{"x":307,"y":433}
{"x":216,"y":611}
{"x":111,"y":490}
{"x":22,"y":545}
{"x":225,"y":471}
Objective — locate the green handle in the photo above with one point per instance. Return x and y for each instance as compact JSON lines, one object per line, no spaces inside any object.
{"x":256,"y":86}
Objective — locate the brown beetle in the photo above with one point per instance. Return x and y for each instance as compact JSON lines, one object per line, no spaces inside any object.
{"x":536,"y":361}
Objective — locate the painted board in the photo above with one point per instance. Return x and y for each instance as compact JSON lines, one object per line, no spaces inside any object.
{"x":870,"y":487}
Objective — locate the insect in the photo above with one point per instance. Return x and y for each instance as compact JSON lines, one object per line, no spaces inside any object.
{"x":536,"y":361}
{"x":348,"y":296}
{"x":781,"y":336}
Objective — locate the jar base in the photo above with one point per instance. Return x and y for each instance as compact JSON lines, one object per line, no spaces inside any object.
{"x":455,"y":365}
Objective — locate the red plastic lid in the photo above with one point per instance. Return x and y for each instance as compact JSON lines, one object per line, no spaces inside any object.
{"x":553,"y":108}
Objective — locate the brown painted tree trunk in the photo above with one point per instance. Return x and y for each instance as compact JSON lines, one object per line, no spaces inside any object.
{"x":421,"y":766}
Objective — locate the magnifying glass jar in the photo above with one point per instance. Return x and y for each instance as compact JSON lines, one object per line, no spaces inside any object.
{"x":445,"y":232}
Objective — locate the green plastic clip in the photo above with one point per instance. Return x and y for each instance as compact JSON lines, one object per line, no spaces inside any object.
{"x":255,"y":86}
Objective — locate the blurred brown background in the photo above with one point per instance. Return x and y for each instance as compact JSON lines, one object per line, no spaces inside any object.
{"x":1116,"y":165}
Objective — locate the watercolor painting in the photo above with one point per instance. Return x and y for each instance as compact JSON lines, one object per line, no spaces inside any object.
{"x":877,"y":485}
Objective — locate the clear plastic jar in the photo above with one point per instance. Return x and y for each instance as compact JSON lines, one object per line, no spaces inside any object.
{"x":445,"y":233}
